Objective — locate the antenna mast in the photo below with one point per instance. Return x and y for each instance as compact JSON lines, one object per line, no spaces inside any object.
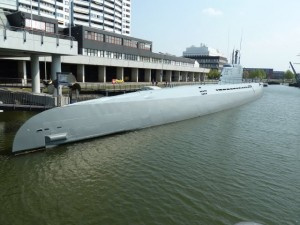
{"x":241,"y":47}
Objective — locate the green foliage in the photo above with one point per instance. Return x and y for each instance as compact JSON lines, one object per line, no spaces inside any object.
{"x":246,"y":74}
{"x":214,"y":74}
{"x":289,"y":75}
{"x":258,"y":74}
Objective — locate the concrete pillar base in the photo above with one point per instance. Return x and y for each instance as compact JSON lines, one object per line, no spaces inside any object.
{"x":159,"y":75}
{"x":22,"y":72}
{"x":135,"y":75}
{"x":169,"y":76}
{"x":147,"y":75}
{"x":35,"y":74}
{"x":102,"y":74}
{"x":80,"y":73}
{"x":120,"y":73}
{"x":55,"y":66}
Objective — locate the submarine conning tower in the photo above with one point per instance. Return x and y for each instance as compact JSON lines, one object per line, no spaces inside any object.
{"x":232,"y":73}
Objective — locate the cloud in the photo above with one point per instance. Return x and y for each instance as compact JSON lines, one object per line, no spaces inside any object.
{"x":212,"y":12}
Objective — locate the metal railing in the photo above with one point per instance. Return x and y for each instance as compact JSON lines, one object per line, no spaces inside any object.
{"x":36,"y":32}
{"x":14,"y":82}
{"x":130,"y":86}
{"x":29,"y":100}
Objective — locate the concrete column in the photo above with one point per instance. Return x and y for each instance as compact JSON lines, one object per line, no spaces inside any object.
{"x":197,"y":77}
{"x":35,"y":74}
{"x":169,"y":76}
{"x":191,"y":77}
{"x":159,"y":75}
{"x":22,"y":71}
{"x":202,"y":76}
{"x":135,"y":75}
{"x":177,"y":76}
{"x":184,"y":76}
{"x":147,"y":75}
{"x":55,"y":66}
{"x":120,"y":73}
{"x":102,"y":74}
{"x":80,"y":73}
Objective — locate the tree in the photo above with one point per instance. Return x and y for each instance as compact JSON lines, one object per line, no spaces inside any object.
{"x":258,"y":74}
{"x":288,"y":75}
{"x":214,"y":74}
{"x":246,"y":74}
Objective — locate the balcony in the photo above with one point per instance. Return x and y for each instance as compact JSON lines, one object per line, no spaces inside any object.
{"x":118,"y":26}
{"x":80,"y":2}
{"x":81,"y":10}
{"x":80,"y":16}
{"x":97,"y":7}
{"x":78,"y":22}
{"x":109,"y":4}
{"x":108,"y":29}
{"x":109,"y":17}
{"x":108,"y":23}
{"x":97,"y":26}
{"x":49,"y":1}
{"x":97,"y":1}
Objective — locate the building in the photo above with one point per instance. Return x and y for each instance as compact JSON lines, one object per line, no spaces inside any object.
{"x":279,"y":75}
{"x":207,"y":57}
{"x":109,"y":15}
{"x":101,"y":56}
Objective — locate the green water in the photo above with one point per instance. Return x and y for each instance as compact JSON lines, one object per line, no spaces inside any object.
{"x":238,"y":165}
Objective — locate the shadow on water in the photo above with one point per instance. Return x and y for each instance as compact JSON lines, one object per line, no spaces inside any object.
{"x":10,"y":122}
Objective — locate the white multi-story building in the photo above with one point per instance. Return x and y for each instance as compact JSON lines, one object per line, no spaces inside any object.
{"x":207,"y":57}
{"x":109,"y":15}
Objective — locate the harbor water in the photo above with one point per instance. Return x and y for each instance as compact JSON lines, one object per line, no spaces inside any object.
{"x":237,"y":165}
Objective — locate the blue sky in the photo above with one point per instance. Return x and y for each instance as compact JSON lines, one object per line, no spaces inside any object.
{"x":271,"y":28}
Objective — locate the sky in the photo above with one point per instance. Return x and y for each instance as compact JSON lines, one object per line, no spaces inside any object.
{"x":267,"y":30}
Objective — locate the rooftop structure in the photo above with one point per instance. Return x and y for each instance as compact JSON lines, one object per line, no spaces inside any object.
{"x":203,"y":50}
{"x":207,"y":57}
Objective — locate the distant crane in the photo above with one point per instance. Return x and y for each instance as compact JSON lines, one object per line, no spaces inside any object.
{"x":297,"y":76}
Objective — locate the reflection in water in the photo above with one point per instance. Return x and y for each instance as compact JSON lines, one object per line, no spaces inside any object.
{"x":9,"y":124}
{"x":238,"y":165}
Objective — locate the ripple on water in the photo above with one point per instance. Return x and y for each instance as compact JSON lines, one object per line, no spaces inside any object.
{"x":223,"y":168}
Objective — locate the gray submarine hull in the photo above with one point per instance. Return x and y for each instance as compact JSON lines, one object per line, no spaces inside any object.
{"x":130,"y":111}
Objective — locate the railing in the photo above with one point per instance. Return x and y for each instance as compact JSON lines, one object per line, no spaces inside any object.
{"x":35,"y":32}
{"x":15,"y":82}
{"x":128,"y":86}
{"x":25,"y":100}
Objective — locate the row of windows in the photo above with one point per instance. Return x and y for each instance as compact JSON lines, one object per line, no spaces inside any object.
{"x":208,"y":60}
{"x":227,"y":89}
{"x":145,"y":46}
{"x":130,"y":43}
{"x":38,"y":25}
{"x":93,"y":36}
{"x":116,"y":55}
{"x":115,"y":40}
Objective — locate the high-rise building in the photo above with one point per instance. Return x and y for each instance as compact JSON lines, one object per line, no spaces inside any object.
{"x":109,"y":15}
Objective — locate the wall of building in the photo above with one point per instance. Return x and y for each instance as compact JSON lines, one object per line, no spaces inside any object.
{"x":8,"y":4}
{"x":110,"y":15}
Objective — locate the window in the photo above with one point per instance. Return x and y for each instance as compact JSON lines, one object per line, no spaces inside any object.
{"x":145,"y":46}
{"x":38,"y":25}
{"x":93,"y":36}
{"x":130,"y":43}
{"x":113,"y":40}
{"x":50,"y":27}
